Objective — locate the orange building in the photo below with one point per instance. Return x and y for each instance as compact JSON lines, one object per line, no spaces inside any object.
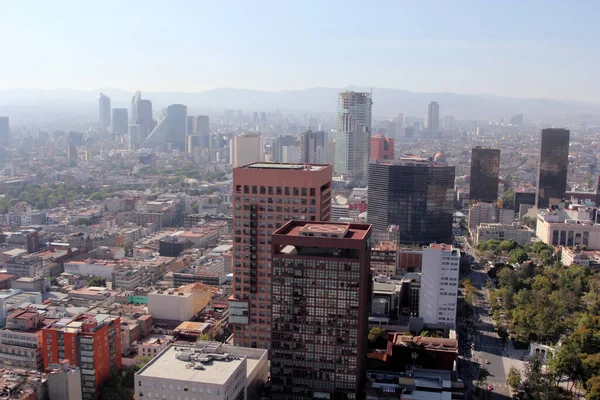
{"x":266,"y":197}
{"x":382,"y":148}
{"x":91,"y":342}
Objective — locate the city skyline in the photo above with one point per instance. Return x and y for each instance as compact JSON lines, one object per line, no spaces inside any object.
{"x":464,"y":48}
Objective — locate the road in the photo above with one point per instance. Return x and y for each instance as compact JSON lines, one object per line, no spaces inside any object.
{"x":488,"y":346}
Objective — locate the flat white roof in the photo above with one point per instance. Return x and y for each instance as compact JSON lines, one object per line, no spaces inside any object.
{"x":166,"y":365}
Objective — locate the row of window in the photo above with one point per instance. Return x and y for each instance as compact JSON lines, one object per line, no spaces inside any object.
{"x":275,"y":190}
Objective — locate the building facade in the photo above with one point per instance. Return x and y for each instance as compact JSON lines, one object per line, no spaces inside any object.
{"x":382,"y":148}
{"x":177,"y":125}
{"x":433,"y":119}
{"x":439,"y":284}
{"x":266,"y":196}
{"x":246,"y":148}
{"x":322,"y":288}
{"x":104,"y":111}
{"x":415,"y":194}
{"x":495,"y":231}
{"x":485,"y":173}
{"x":120,"y":122}
{"x":553,"y":166}
{"x":353,"y":135}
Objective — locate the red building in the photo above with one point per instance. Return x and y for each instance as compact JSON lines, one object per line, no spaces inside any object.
{"x":91,"y":342}
{"x":382,"y":148}
{"x":321,"y":288}
{"x":409,"y":260}
{"x":266,"y":196}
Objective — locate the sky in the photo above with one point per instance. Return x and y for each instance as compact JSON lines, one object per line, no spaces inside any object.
{"x":530,"y":49}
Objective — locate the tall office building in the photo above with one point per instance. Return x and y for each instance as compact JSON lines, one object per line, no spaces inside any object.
{"x":433,"y":119}
{"x":382,"y":148}
{"x":314,"y":147}
{"x":191,"y":125}
{"x":104,"y":108}
{"x":517,"y":120}
{"x":246,"y":148}
{"x":279,"y":145}
{"x":120,"y":122}
{"x":177,"y":125}
{"x":202,"y":126}
{"x":553,"y":166}
{"x":265,"y":197}
{"x":91,"y":342}
{"x":353,"y":135}
{"x":321,"y":294}
{"x":439,"y":284}
{"x":141,"y":114}
{"x":135,"y":136}
{"x":4,"y":131}
{"x":485,"y":173}
{"x":415,"y":194}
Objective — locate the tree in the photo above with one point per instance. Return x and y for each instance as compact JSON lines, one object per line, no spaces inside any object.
{"x":128,"y":246}
{"x":508,"y":245}
{"x":376,"y":333}
{"x":97,"y":281}
{"x":567,"y":363}
{"x":482,"y":375}
{"x":517,"y":256}
{"x":514,"y":377}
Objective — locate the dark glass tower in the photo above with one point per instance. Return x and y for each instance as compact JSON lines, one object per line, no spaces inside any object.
{"x":417,"y":195}
{"x":485,"y":171}
{"x":553,"y":166}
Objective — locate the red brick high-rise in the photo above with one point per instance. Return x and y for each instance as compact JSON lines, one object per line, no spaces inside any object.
{"x":265,"y":197}
{"x":91,"y":342}
{"x":382,"y":148}
{"x":322,"y":288}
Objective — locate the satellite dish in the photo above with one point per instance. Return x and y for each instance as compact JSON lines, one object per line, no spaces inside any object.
{"x":341,"y":199}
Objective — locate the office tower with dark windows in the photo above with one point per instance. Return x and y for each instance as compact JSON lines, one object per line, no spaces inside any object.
{"x":414,"y":193}
{"x":120,"y":122}
{"x":433,"y":119}
{"x":141,"y":114}
{"x":353,"y":135}
{"x":382,"y":148}
{"x":553,"y":166}
{"x":4,"y":131}
{"x":104,"y":109}
{"x":279,"y":145}
{"x":321,"y":288}
{"x":177,"y":125}
{"x":485,"y":172}
{"x":265,"y":197}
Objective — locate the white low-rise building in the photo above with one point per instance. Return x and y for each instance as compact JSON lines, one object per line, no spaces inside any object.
{"x":90,"y":267}
{"x":153,"y":345}
{"x":208,"y":370}
{"x":568,"y":227}
{"x":439,"y":284}
{"x":490,"y":231}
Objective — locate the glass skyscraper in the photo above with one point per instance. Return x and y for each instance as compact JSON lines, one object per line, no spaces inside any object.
{"x":485,"y":173}
{"x":553,"y":166}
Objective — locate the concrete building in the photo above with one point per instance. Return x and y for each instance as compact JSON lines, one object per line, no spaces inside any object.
{"x":568,"y":227}
{"x":4,"y":131}
{"x":353,"y":135}
{"x":414,"y":193}
{"x":20,"y":341}
{"x":12,"y":299}
{"x":90,"y":342}
{"x":433,"y":119}
{"x":439,"y":284}
{"x":64,"y":381}
{"x":570,"y":257}
{"x":553,"y":166}
{"x":480,"y":213}
{"x":313,"y":147}
{"x":384,"y":258}
{"x":266,"y":195}
{"x":207,"y":270}
{"x":104,"y":112}
{"x":382,"y":148}
{"x":91,"y":267}
{"x":485,"y":174}
{"x":208,"y":370}
{"x":246,"y":148}
{"x":25,"y":265}
{"x":141,"y":114}
{"x":177,"y":125}
{"x":321,"y":287}
{"x":494,"y":231}
{"x":153,"y":345}
{"x":179,"y":304}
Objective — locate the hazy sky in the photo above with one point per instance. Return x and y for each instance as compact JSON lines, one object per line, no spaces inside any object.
{"x":517,"y":48}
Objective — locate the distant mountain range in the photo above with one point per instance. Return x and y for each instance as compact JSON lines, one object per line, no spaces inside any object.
{"x":387,"y":102}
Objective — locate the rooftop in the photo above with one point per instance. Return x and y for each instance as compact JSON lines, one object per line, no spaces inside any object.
{"x":286,"y":167}
{"x":329,"y":230}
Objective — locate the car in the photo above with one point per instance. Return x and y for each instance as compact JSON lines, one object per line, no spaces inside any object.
{"x":487,"y":361}
{"x":490,"y":387}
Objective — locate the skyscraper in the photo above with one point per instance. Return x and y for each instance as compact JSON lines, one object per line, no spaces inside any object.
{"x":141,"y":114}
{"x":553,"y":165}
{"x":415,"y":194}
{"x":202,"y":126}
{"x":321,"y":294}
{"x":134,"y":136}
{"x":191,"y":125}
{"x":4,"y":131}
{"x":353,"y":135}
{"x":517,"y":120}
{"x":433,"y":119}
{"x":246,"y":148}
{"x":177,"y":125}
{"x":485,"y":172}
{"x":265,"y":197}
{"x":382,"y":148}
{"x":104,"y":108}
{"x":313,"y":150}
{"x":120,"y":122}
